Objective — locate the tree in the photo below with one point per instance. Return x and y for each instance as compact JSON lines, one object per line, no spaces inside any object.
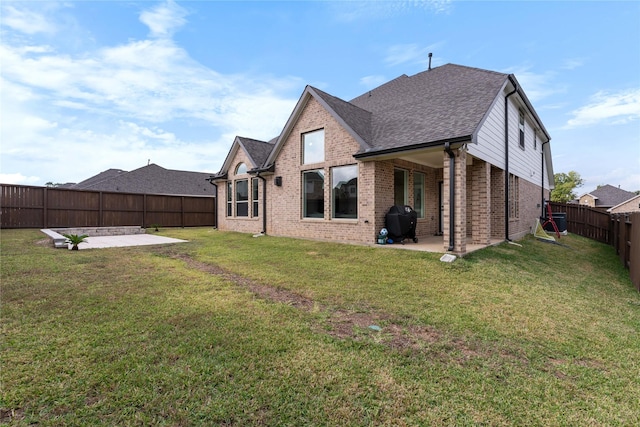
{"x":565,"y":183}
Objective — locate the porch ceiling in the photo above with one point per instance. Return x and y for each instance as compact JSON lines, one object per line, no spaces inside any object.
{"x":432,"y":159}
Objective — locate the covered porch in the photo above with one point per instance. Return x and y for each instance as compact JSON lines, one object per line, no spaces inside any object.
{"x":435,"y":244}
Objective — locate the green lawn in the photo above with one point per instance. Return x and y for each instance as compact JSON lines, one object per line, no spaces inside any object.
{"x":229,"y":329}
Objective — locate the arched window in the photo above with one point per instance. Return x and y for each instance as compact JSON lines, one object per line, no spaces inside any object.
{"x":241,"y":168}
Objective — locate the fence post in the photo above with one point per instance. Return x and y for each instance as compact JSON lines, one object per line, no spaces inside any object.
{"x":182,"y":211}
{"x":45,"y":202}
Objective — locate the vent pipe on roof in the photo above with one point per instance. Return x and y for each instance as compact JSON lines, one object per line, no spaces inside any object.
{"x":430,"y":55}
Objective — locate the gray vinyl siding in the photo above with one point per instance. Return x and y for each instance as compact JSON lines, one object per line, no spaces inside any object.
{"x":526,"y":163}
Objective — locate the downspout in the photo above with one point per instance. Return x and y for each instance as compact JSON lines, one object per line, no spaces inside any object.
{"x":264,"y":203}
{"x":506,"y":159}
{"x":215,"y":212}
{"x":452,"y":193}
{"x":542,"y":183}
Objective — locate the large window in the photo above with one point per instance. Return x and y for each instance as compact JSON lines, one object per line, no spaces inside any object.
{"x":400,"y":187}
{"x":514,"y":197}
{"x":254,"y":197}
{"x":344,"y":191}
{"x":229,"y":198}
{"x":313,"y":194}
{"x":418,"y":193}
{"x":242,"y":197}
{"x":313,"y":147}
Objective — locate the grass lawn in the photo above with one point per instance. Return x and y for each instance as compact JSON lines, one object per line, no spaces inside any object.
{"x":234,"y":330}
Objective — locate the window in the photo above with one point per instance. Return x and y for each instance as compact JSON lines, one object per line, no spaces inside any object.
{"x":535,"y":141}
{"x":400,"y":187}
{"x":242,"y":197}
{"x":241,"y":169}
{"x":521,"y":127}
{"x":514,"y":197}
{"x":254,"y":197}
{"x":344,"y":195}
{"x":229,"y":198}
{"x":313,"y":194}
{"x":313,"y":147}
{"x":418,"y":193}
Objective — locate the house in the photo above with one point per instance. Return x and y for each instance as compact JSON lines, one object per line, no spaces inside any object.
{"x":463,"y":146}
{"x":631,"y":205}
{"x":606,"y":197}
{"x":150,"y":179}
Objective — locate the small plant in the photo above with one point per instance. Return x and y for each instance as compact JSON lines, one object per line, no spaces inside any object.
{"x":155,"y":227}
{"x":75,"y":240}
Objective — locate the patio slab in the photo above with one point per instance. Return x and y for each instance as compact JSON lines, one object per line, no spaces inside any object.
{"x":98,"y":242}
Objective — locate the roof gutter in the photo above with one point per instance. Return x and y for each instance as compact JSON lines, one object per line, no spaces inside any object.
{"x":542,"y":182}
{"x":452,"y":193}
{"x":404,"y":149}
{"x":215,"y":209}
{"x":264,"y":203}
{"x":258,"y":171}
{"x":506,"y":157}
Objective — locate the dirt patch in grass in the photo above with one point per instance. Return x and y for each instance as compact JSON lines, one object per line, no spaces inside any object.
{"x":341,"y":324}
{"x":9,"y":415}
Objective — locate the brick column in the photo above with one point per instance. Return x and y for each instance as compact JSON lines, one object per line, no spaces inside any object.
{"x":460,"y":223}
{"x":481,"y":202}
{"x":460,"y":201}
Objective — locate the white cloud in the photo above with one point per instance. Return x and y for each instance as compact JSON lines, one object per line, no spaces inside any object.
{"x":537,"y":86}
{"x":572,"y":63}
{"x":611,"y":108}
{"x":411,"y":53}
{"x":371,"y":82}
{"x":119,"y":106}
{"x":26,"y":21}
{"x":350,"y":11}
{"x":18,"y":178}
{"x":164,"y":19}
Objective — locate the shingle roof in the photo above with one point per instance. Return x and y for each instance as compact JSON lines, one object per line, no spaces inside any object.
{"x":608,"y":195}
{"x":102,"y":176}
{"x":446,"y":102}
{"x":152,"y":179}
{"x":355,"y":117}
{"x":257,"y":150}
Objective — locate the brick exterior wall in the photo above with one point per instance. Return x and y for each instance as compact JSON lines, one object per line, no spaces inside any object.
{"x":232,"y":223}
{"x":285,"y":202}
{"x":632,"y":205}
{"x":479,"y":197}
{"x":497,"y":203}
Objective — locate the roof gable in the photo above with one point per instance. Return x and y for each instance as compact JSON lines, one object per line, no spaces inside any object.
{"x":355,"y":120}
{"x":608,"y":195}
{"x":446,"y":102}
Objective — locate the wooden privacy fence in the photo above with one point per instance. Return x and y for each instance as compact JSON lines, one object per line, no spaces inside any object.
{"x":622,"y":231}
{"x":586,"y":221}
{"x":626,"y":241}
{"x":44,"y":207}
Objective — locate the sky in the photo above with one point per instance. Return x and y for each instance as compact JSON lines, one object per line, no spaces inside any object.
{"x":88,"y":86}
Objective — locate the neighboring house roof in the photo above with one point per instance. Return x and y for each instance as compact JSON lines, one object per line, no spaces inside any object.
{"x":150,"y":179}
{"x":636,"y":198}
{"x":608,"y":196}
{"x":102,"y":176}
